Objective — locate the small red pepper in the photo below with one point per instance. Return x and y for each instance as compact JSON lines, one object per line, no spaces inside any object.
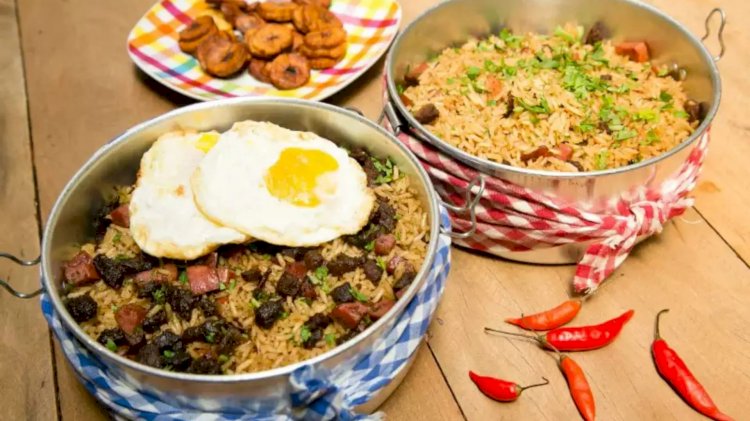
{"x":582,"y":338}
{"x":671,"y":367}
{"x":579,"y":387}
{"x":549,"y":319}
{"x":501,"y":390}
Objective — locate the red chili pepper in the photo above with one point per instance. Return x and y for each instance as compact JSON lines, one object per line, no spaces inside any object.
{"x":579,"y":387}
{"x":582,"y":338}
{"x":549,"y":319}
{"x":671,"y":367}
{"x":500,"y":390}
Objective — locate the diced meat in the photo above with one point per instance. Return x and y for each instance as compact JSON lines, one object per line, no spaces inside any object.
{"x":347,"y":336}
{"x":211,"y":260}
{"x":267,"y":313}
{"x":318,"y":320}
{"x":384,"y":244}
{"x":205,"y":365}
{"x":129,"y":317}
{"x":380,"y":308}
{"x":166,"y":340}
{"x":307,"y":290}
{"x":393,"y":264}
{"x":182,"y":302}
{"x":80,"y":269}
{"x":578,"y":165}
{"x":693,"y":109}
{"x":597,"y":33}
{"x":203,"y":279}
{"x":342,"y":294}
{"x":288,"y":285}
{"x":136,"y":264}
{"x":113,"y":271}
{"x":405,"y":280}
{"x":121,"y":216}
{"x":153,"y":322}
{"x":315,"y":336}
{"x":509,"y":103}
{"x":82,"y":308}
{"x":343,"y":263}
{"x":566,"y":151}
{"x":411,"y":78}
{"x":373,"y":272}
{"x":101,"y":220}
{"x":349,"y":314}
{"x":150,"y":355}
{"x":537,"y":153}
{"x":494,"y":86}
{"x":296,"y":253}
{"x":636,"y":51}
{"x":148,"y":289}
{"x":606,"y":78}
{"x":313,"y":259}
{"x":229,"y":339}
{"x":253,"y":275}
{"x":207,"y":305}
{"x":166,"y":273}
{"x":427,"y":113}
{"x":296,"y":269}
{"x":111,"y":336}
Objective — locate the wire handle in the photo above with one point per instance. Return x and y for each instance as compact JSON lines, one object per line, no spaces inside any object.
{"x":21,"y":262}
{"x":470,"y":207}
{"x":722,"y":23}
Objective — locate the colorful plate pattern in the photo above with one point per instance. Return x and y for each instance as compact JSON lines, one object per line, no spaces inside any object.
{"x":152,"y":44}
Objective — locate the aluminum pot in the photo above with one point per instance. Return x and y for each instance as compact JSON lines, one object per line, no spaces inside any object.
{"x":116,"y":163}
{"x":453,"y":22}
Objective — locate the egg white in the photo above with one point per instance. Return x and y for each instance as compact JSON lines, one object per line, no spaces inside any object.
{"x":164,"y":220}
{"x":229,"y":188}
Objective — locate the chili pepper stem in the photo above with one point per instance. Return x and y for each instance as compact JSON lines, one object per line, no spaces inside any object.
{"x":522,"y":388}
{"x":538,"y":338}
{"x":657,"y":335}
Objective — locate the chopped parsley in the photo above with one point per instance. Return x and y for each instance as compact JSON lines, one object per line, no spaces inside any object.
{"x":114,"y":308}
{"x":117,"y":237}
{"x":320,"y":274}
{"x":491,"y":66}
{"x":586,"y":125}
{"x":158,"y":295}
{"x":223,"y":358}
{"x":473,"y":72}
{"x":663,"y":71}
{"x":512,"y":41}
{"x":651,"y":138}
{"x":210,"y":337}
{"x":400,"y":88}
{"x":380,"y":262}
{"x":111,"y":345}
{"x":232,"y":284}
{"x":222,"y":286}
{"x":541,"y":108}
{"x":491,"y":103}
{"x":304,"y":334}
{"x":561,"y":33}
{"x":601,"y":159}
{"x":254,"y":303}
{"x":330,"y":339}
{"x":450,"y":80}
{"x":385,"y":170}
{"x":168,"y":354}
{"x":665,"y":96}
{"x":358,"y":295}
{"x":509,"y":71}
{"x":370,"y":246}
{"x":183,"y":277}
{"x":681,"y":114}
{"x":284,"y":314}
{"x":625,"y":134}
{"x":598,"y":54}
{"x":646,"y":115}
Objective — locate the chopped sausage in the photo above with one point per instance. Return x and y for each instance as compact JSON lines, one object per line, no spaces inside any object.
{"x":384,"y":244}
{"x":342,"y":294}
{"x":566,"y":151}
{"x":537,"y":153}
{"x":288,"y":285}
{"x":129,"y":317}
{"x":114,"y":336}
{"x":373,"y":272}
{"x":509,"y":102}
{"x":393,"y":264}
{"x":307,"y":290}
{"x":80,"y":269}
{"x":166,"y":273}
{"x":153,"y":322}
{"x":343,"y":263}
{"x":349,"y":314}
{"x":313,"y":259}
{"x":210,"y":260}
{"x":411,"y":78}
{"x":181,"y":301}
{"x":296,"y":269}
{"x":693,"y":110}
{"x":380,"y":308}
{"x":597,"y":33}
{"x":406,"y":279}
{"x":427,"y":114}
{"x":82,"y":308}
{"x":267,"y":313}
{"x":113,"y":271}
{"x":636,"y":51}
{"x":205,"y":365}
{"x":121,"y":216}
{"x":203,"y":278}
{"x":385,"y":215}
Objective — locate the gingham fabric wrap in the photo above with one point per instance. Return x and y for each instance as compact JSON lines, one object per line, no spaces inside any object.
{"x":513,"y":218}
{"x":152,"y":44}
{"x":316,"y":396}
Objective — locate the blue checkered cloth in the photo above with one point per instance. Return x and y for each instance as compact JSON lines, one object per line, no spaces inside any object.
{"x":315,"y":396}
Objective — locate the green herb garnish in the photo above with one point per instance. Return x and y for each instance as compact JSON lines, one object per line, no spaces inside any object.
{"x":116,"y":238}
{"x":625,"y":134}
{"x":491,"y":103}
{"x":509,"y":39}
{"x":304,"y":334}
{"x":663,"y":71}
{"x":222,"y":286}
{"x":385,"y":170}
{"x":168,"y":354}
{"x":561,"y":33}
{"x":681,"y":114}
{"x":651,"y":138}
{"x":254,"y":303}
{"x":284,"y":314}
{"x":665,"y":96}
{"x":472,"y":72}
{"x":491,"y":66}
{"x":380,"y":262}
{"x":158,"y":295}
{"x":601,"y":159}
{"x":646,"y":115}
{"x":210,"y":337}
{"x":183,"y":277}
{"x":111,"y":345}
{"x":358,"y":295}
{"x":330,"y":339}
{"x":400,"y":88}
{"x":232,"y":284}
{"x":223,"y":358}
{"x":541,"y":108}
{"x":114,"y":308}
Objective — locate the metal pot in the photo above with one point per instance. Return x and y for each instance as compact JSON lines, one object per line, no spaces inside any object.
{"x":116,"y":163}
{"x":452,"y":22}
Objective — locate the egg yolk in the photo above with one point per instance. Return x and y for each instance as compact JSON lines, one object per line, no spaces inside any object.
{"x":206,"y":141}
{"x":293,"y":177}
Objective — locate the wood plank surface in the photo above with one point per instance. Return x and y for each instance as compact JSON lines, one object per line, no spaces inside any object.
{"x":27,"y":383}
{"x":81,"y":97}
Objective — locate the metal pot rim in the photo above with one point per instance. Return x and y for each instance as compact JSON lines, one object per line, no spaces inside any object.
{"x":48,"y":272}
{"x":494,"y":167}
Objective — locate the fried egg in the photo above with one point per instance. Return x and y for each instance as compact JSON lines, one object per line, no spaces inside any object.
{"x":281,"y":186}
{"x":164,"y":220}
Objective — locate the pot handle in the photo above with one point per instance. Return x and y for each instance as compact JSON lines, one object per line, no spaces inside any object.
{"x":470,"y":207}
{"x":722,"y":23}
{"x":21,"y":262}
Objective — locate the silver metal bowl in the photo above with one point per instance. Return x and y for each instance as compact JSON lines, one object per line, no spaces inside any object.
{"x":116,"y":163}
{"x":453,"y":22}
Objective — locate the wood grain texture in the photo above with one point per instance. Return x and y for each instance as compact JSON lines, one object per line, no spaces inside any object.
{"x":27,"y":384}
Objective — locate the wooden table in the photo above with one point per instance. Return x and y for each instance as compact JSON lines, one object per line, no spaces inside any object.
{"x":67,"y":86}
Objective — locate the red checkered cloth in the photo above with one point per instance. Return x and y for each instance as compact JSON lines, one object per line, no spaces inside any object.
{"x":513,"y":218}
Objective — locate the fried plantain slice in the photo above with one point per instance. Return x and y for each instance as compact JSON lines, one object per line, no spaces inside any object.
{"x":329,"y":37}
{"x":336,"y":52}
{"x":323,"y":63}
{"x":289,"y":71}
{"x":269,"y":40}
{"x":321,"y":3}
{"x":311,"y":18}
{"x":192,"y":36}
{"x":246,"y":22}
{"x":277,"y":12}
{"x":221,"y":55}
{"x":298,"y":40}
{"x":259,"y":70}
